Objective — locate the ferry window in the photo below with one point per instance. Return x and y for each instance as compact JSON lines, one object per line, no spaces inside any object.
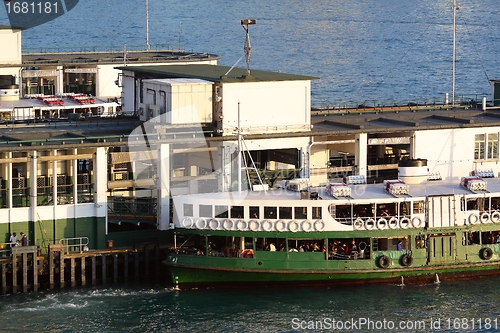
{"x":419,"y":242}
{"x":479,"y":147}
{"x":300,"y":212}
{"x":495,"y":203}
{"x":221,"y":212}
{"x":285,"y":213}
{"x":363,"y":210}
{"x":316,"y":213}
{"x":472,"y":204}
{"x":237,"y":212}
{"x":254,"y":212}
{"x":489,"y":237}
{"x":270,"y":212}
{"x":404,"y":208}
{"x":473,"y":238}
{"x":188,"y":209}
{"x":492,"y":146}
{"x":418,"y":207}
{"x":386,"y":209}
{"x":205,"y":211}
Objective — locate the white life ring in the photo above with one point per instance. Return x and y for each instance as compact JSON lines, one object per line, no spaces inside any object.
{"x":306,"y":226}
{"x":293,"y":226}
{"x":473,"y":218}
{"x":495,"y":217}
{"x":416,"y":222}
{"x":267,"y":225}
{"x":254,"y":225}
{"x":241,"y":225}
{"x":227,"y":224}
{"x":370,"y":224}
{"x":214,"y":224}
{"x":187,"y":222}
{"x":381,"y":224}
{"x":317,"y":225}
{"x":358,"y":224}
{"x":393,"y":222}
{"x":405,"y":223}
{"x":281,"y":225}
{"x":485,"y":217}
{"x":203,"y":224}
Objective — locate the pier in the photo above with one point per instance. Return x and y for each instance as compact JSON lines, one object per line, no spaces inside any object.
{"x":25,"y":269}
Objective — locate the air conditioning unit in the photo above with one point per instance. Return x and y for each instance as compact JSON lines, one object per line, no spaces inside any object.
{"x":154,"y":112}
{"x":143,"y":113}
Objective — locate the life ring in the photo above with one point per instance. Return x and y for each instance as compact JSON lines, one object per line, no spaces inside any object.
{"x":486,"y":253}
{"x":267,"y":225}
{"x":254,"y":225}
{"x":485,"y":217}
{"x":407,"y":259}
{"x":381,"y":224}
{"x":187,"y":222}
{"x":241,"y":225}
{"x":405,"y":223}
{"x":293,"y":226}
{"x":370,"y":224}
{"x":227,"y":224}
{"x":473,"y":218}
{"x":393,"y":222}
{"x":212,"y":223}
{"x":358,"y":224}
{"x":203,"y":224}
{"x":317,"y":226}
{"x":416,"y":222}
{"x":247,"y":253}
{"x":308,"y":224}
{"x":495,"y":217}
{"x":281,"y":225}
{"x":383,"y":261}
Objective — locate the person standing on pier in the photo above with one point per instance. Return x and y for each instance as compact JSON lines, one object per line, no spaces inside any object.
{"x":13,"y":240}
{"x":24,"y":239}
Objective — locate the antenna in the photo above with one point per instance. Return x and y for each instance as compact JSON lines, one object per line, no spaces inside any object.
{"x":247,"y":47}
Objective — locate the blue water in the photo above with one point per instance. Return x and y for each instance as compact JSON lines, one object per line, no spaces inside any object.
{"x":449,"y":307}
{"x":360,"y":49}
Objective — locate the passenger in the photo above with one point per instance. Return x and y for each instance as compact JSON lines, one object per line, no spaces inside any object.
{"x":354,"y":248}
{"x":385,"y":213}
{"x":399,"y":247}
{"x":471,"y":241}
{"x":301,"y":248}
{"x":272,"y":248}
{"x":315,"y":247}
{"x":13,"y":240}
{"x":24,"y":239}
{"x":497,"y":238}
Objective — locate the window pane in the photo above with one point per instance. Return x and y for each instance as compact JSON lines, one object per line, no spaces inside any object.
{"x":316,"y":213}
{"x":205,"y":211}
{"x":301,"y":212}
{"x":188,"y":210}
{"x":254,"y":212}
{"x":479,"y":147}
{"x":285,"y":213}
{"x":270,"y":212}
{"x":221,"y":212}
{"x":237,"y":212}
{"x":493,"y":146}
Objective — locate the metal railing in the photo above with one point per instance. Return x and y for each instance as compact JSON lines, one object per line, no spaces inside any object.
{"x":5,"y":247}
{"x":101,"y":49}
{"x":77,"y":242}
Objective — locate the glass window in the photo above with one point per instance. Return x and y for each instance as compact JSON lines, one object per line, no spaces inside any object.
{"x":221,"y":212}
{"x":254,"y":212}
{"x":237,"y":212}
{"x":188,"y":210}
{"x":479,"y":147}
{"x":493,"y":146}
{"x":205,"y":211}
{"x":404,"y":208}
{"x":300,"y":212}
{"x":418,"y":207}
{"x":316,"y":213}
{"x":285,"y":213}
{"x":270,"y":212}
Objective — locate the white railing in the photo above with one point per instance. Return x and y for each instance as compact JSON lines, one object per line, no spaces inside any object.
{"x":77,"y":242}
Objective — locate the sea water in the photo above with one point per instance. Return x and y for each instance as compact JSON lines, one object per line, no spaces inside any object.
{"x":460,"y":306}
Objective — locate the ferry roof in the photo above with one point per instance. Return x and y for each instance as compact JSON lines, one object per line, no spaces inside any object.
{"x":213,"y":73}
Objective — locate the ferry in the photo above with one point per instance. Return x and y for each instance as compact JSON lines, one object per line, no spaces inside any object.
{"x":415,"y":229}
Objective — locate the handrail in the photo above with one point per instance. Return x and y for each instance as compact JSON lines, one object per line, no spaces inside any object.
{"x":101,"y":49}
{"x":5,"y":247}
{"x":80,"y":245}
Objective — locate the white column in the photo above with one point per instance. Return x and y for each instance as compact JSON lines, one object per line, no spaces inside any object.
{"x":54,"y":182}
{"x":33,"y":185}
{"x":59,"y":84}
{"x":361,"y":154}
{"x":163,"y":198}
{"x":9,"y":182}
{"x":74,"y":166}
{"x":101,"y":184}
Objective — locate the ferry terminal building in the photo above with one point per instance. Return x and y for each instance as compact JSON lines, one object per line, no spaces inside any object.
{"x":111,"y":178}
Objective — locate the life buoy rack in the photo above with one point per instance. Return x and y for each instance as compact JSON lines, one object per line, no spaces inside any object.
{"x":358,"y":224}
{"x":370,"y":224}
{"x":407,"y":259}
{"x":214,"y":224}
{"x":293,"y":226}
{"x":473,"y":218}
{"x":416,"y":222}
{"x":203,"y":224}
{"x":241,"y":225}
{"x":267,"y":225}
{"x":495,"y":217}
{"x":405,"y":223}
{"x":383,"y":261}
{"x":381,"y":224}
{"x":306,"y":226}
{"x":485,"y":217}
{"x":254,"y":225}
{"x":486,"y":253}
{"x":319,"y":225}
{"x":228,"y":224}
{"x":187,"y":222}
{"x":247,"y":253}
{"x":281,"y":225}
{"x":393,"y":222}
